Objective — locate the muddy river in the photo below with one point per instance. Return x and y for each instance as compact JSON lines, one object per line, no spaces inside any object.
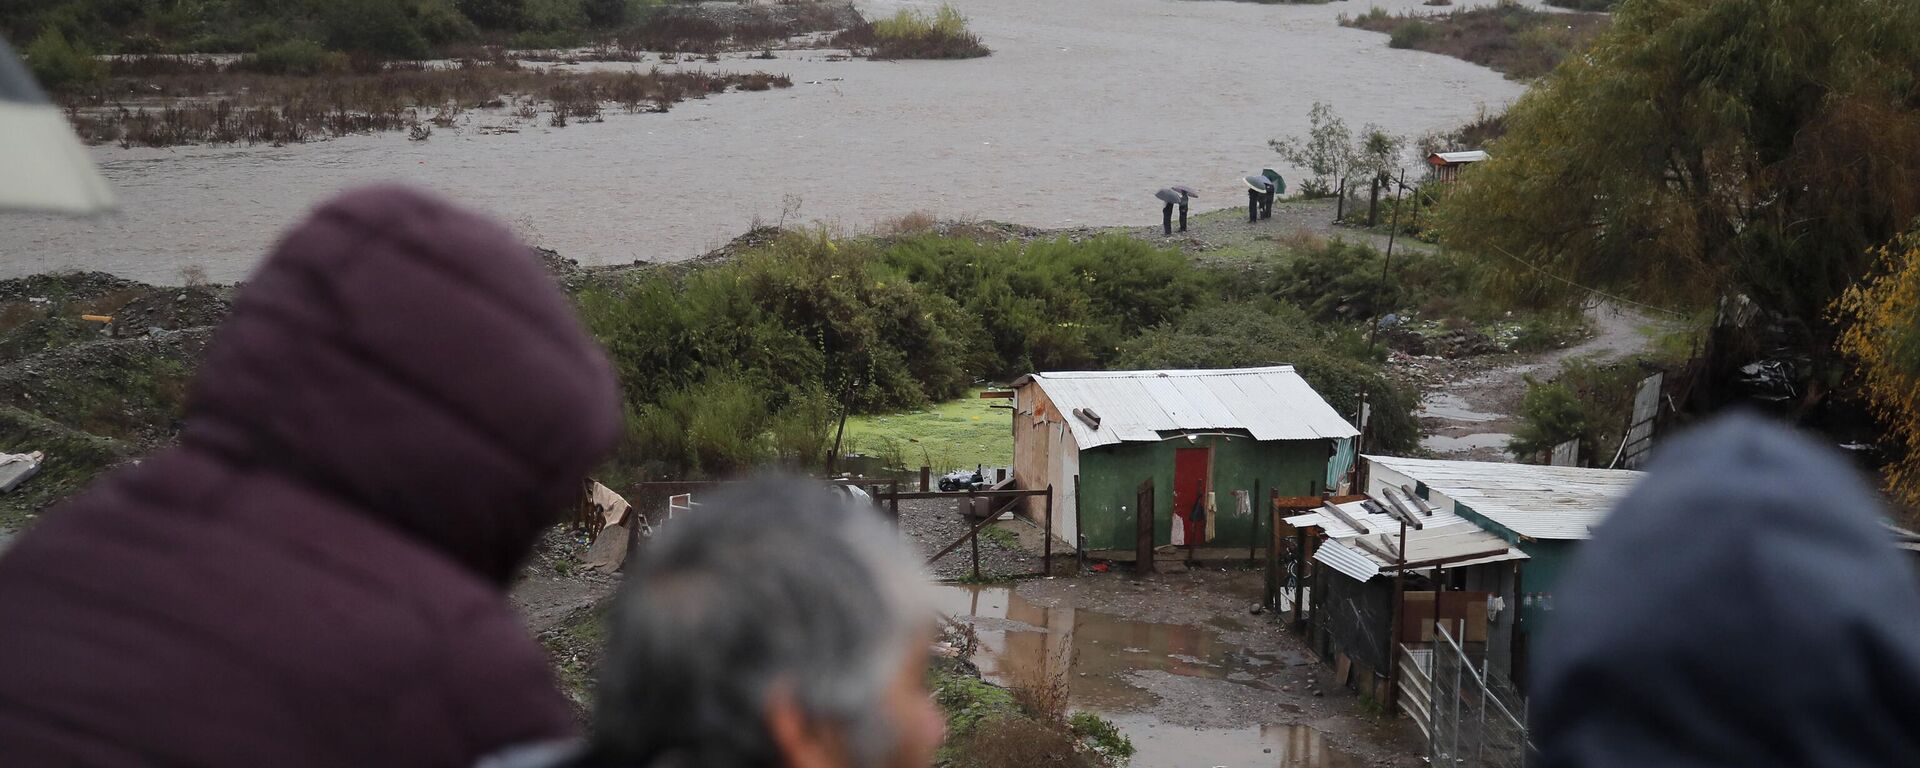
{"x":1135,"y":673}
{"x":1084,"y":109}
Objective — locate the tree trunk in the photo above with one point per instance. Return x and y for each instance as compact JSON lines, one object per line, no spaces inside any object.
{"x":1373,"y":203}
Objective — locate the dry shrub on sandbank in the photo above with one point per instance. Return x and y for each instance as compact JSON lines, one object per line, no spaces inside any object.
{"x":169,"y":102}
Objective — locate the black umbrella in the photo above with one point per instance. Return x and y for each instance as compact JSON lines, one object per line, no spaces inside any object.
{"x":43,"y":166}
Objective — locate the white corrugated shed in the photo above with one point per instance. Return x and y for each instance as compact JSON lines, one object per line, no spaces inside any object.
{"x":1441,"y":537}
{"x":1138,"y":406}
{"x":1535,"y":501}
{"x":1469,"y":156}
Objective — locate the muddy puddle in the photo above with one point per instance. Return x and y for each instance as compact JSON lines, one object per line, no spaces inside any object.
{"x":1452,"y":407}
{"x":1083,"y":110}
{"x":1108,"y":661}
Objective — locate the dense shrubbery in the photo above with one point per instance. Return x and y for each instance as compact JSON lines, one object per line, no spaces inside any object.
{"x":912,"y":33}
{"x":1508,"y":37}
{"x":1334,"y":361}
{"x":295,"y":57}
{"x":1341,"y":281}
{"x":1588,"y":402}
{"x":745,"y":361}
{"x":58,"y":63}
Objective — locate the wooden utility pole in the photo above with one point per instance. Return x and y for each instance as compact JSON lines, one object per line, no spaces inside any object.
{"x":1386,"y":264}
{"x":1399,"y":606}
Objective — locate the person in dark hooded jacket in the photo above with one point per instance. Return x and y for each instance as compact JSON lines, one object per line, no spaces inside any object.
{"x":398,"y":405}
{"x":1745,"y":606}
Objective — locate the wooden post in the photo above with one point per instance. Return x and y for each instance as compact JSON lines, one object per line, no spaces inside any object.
{"x":1046,"y":549}
{"x":1300,"y":575}
{"x":1253,"y":539}
{"x":1386,"y":263}
{"x":1436,"y":608}
{"x":846,"y":398}
{"x":1143,"y":528}
{"x":1517,"y":661}
{"x":1393,"y":634}
{"x":926,"y":478}
{"x":976,"y":553}
{"x":1079,"y":539}
{"x":1273,"y":559}
{"x":894,"y":503}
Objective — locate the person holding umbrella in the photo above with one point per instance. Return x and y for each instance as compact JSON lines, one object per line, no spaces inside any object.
{"x":1175,"y":195}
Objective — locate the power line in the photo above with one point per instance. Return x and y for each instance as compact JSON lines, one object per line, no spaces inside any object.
{"x":1588,"y":289}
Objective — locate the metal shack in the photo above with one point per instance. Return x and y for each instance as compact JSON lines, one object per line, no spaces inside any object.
{"x":1544,"y":511}
{"x":1145,"y":459}
{"x":1445,"y":166}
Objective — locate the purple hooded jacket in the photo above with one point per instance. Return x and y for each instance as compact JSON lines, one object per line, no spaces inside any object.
{"x":398,"y":405}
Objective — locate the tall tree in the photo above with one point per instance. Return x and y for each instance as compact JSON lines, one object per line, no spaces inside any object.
{"x":1881,"y":321}
{"x":1704,"y":147}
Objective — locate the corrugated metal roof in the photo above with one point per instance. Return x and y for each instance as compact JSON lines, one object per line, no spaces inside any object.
{"x":1469,"y":156}
{"x":1441,"y":537}
{"x":1137,"y":406}
{"x":1530,"y":500}
{"x":1347,"y":560}
{"x":1374,"y":523}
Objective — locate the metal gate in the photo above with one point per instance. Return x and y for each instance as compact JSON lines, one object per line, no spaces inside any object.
{"x":1472,"y":716}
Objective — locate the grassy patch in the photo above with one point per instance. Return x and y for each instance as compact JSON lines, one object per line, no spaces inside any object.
{"x":73,"y":460}
{"x":1517,"y":41}
{"x":955,"y":434}
{"x":1002,"y":537}
{"x":574,"y":647}
{"x":912,"y":33}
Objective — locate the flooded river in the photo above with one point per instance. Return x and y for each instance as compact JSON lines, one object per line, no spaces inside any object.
{"x":1137,"y":674}
{"x":1084,"y":109}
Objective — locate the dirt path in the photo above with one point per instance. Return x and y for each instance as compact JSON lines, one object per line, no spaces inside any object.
{"x":1181,"y":665}
{"x":1473,"y":413}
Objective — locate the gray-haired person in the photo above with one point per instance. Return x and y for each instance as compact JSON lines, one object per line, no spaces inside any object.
{"x":778,"y":624}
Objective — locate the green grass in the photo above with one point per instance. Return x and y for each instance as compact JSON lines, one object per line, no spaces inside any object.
{"x":950,"y":435}
{"x":1002,"y":537}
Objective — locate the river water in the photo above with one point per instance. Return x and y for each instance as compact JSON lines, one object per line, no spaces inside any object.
{"x":1084,"y":109}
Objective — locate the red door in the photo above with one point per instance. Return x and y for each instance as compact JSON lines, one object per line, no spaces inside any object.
{"x":1189,"y":486}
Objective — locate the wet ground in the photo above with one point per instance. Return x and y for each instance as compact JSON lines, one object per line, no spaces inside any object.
{"x":1084,"y":109}
{"x":1473,"y":412}
{"x":1181,"y":665}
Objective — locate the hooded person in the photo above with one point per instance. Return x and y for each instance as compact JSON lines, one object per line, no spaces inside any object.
{"x":399,"y":403}
{"x":1744,"y":606}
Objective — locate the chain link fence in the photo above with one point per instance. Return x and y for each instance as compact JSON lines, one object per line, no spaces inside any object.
{"x":1477,"y":716}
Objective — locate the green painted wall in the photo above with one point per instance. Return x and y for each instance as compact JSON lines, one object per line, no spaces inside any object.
{"x":1110,"y":478}
{"x":1539,"y":575}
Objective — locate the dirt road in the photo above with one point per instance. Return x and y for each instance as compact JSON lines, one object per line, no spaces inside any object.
{"x":1473,"y":413}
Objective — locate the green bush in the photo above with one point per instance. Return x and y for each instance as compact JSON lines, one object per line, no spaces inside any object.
{"x":494,"y":14}
{"x":60,"y":65}
{"x":441,"y":22}
{"x":378,"y":27}
{"x":296,"y":57}
{"x":1587,"y":401}
{"x":1054,"y":304}
{"x":1411,"y":34}
{"x":912,"y":33}
{"x":1241,"y":335}
{"x":1102,"y":736}
{"x":1339,"y":281}
{"x":551,"y":15}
